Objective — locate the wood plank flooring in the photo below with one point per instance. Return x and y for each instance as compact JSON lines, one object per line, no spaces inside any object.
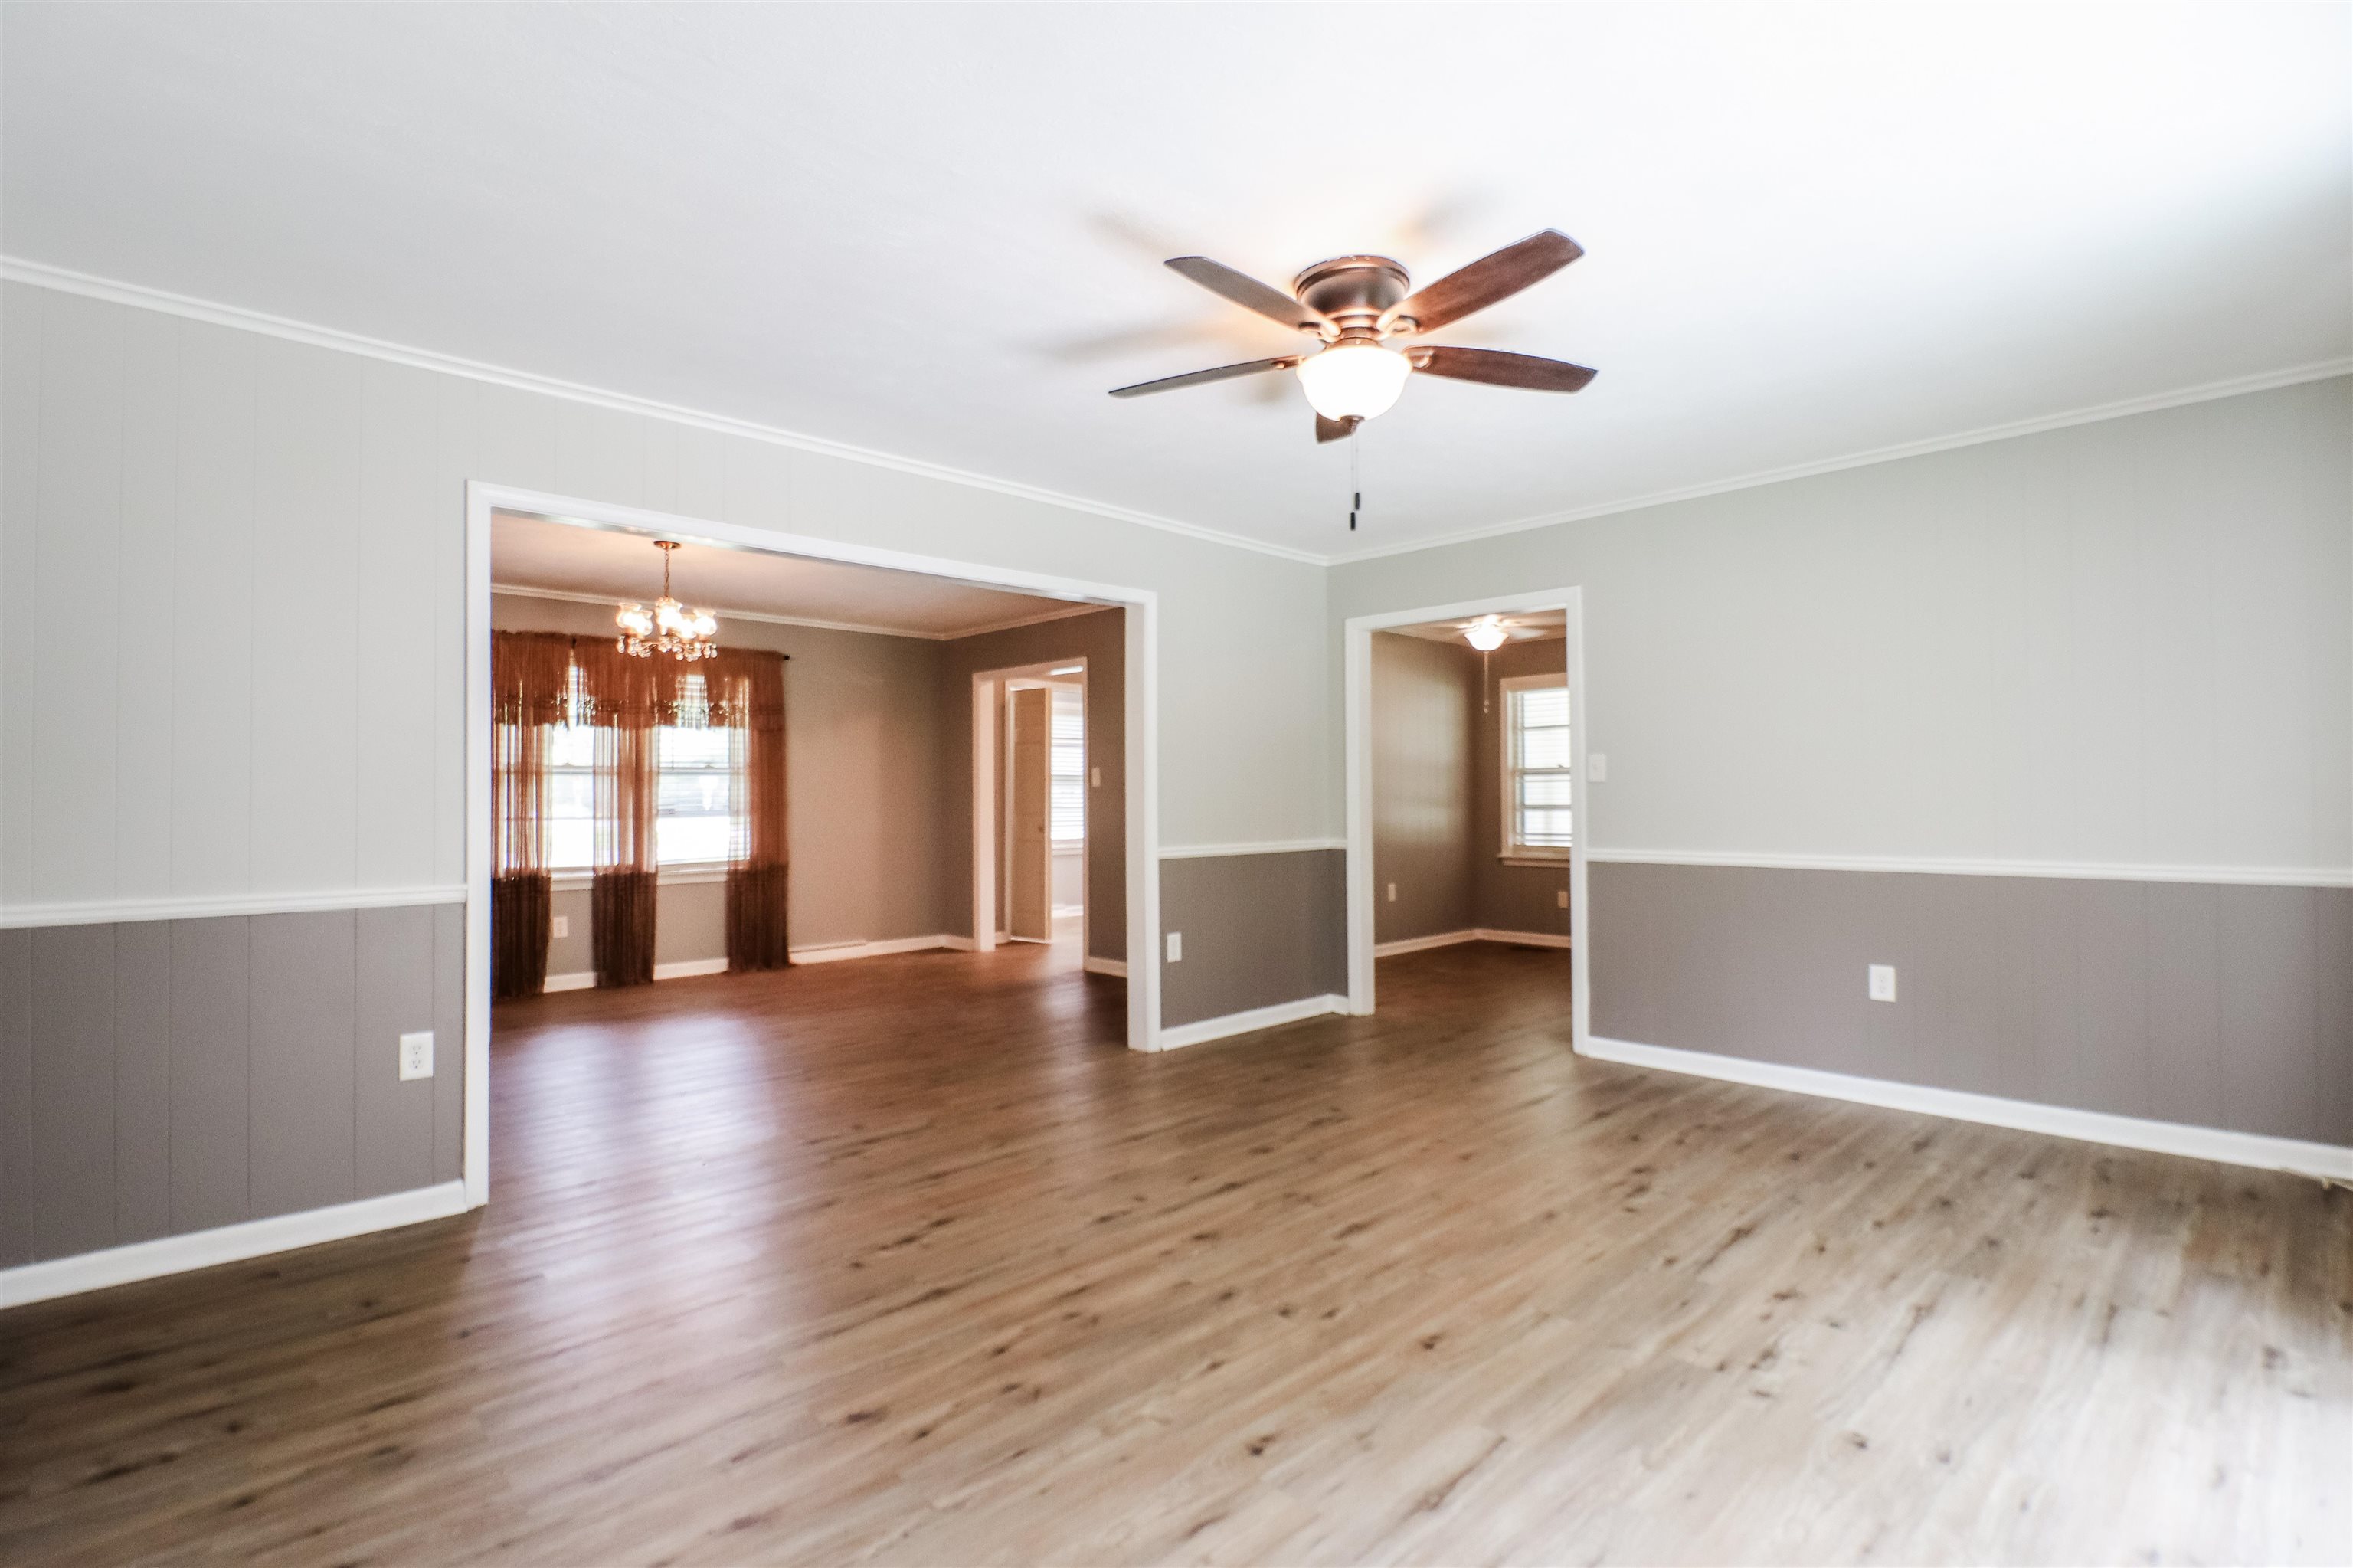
{"x":906,"y":1261}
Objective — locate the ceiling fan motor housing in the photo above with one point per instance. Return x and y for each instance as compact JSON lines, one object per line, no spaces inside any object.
{"x":1352,"y":292}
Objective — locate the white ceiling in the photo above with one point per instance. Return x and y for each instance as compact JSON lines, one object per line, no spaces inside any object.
{"x":1521,"y":626}
{"x":1812,"y":231}
{"x":608,"y":566}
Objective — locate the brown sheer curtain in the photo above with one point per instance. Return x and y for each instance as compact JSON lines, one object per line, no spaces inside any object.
{"x":530,"y":677}
{"x":747,"y":695}
{"x":623,"y":698}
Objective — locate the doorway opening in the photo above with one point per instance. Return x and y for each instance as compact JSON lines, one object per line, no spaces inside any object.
{"x":866,"y":656}
{"x":1466,"y":770}
{"x":1032,"y":785}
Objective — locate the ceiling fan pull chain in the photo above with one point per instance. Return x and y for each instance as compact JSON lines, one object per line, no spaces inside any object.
{"x":1356,"y":484}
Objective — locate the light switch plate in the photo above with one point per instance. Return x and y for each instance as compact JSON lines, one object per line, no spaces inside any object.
{"x":417,"y":1055}
{"x":1095,"y":776}
{"x":1392,"y":892}
{"x":562,"y":925}
{"x":1882,"y":983}
{"x":1597,"y":767}
{"x":1175,"y":947}
{"x":1560,"y":898}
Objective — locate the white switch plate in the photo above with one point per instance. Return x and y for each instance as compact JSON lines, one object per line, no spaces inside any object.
{"x":1882,"y":983}
{"x":1597,"y":767}
{"x":1560,"y":899}
{"x":1392,"y":892}
{"x":1095,"y":776}
{"x":1175,"y":947}
{"x":562,"y":925}
{"x":417,"y":1055}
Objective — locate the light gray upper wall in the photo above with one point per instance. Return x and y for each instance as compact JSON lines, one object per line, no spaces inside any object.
{"x":2126,"y":642}
{"x":862,"y":773}
{"x":254,"y":550}
{"x":1425,"y":695}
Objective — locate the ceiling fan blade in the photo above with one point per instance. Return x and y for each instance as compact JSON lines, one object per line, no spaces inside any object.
{"x":1202,"y":377}
{"x":1484,"y":281}
{"x":1250,"y":293}
{"x":1498,"y":368}
{"x":1335,"y":430}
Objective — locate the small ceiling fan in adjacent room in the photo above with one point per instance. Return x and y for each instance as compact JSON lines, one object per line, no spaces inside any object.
{"x":1354,"y":305}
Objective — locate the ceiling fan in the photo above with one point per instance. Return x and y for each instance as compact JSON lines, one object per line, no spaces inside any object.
{"x":1354,"y":303}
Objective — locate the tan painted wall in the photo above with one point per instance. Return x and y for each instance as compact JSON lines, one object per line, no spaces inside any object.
{"x":862,"y":770}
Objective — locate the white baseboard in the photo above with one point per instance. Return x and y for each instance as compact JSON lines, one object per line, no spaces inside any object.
{"x":1115,"y":968}
{"x":1255,"y":1018}
{"x":1477,"y":934}
{"x":2321,"y":1159}
{"x":1423,"y":944}
{"x":833,"y":953}
{"x":1525,"y":939}
{"x":230,"y":1244}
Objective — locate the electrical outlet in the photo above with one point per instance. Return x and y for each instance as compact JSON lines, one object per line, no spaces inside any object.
{"x":1392,"y":892}
{"x":417,"y":1055}
{"x":1175,"y":947}
{"x":562,"y":925}
{"x":1597,"y":767}
{"x":1560,"y":899}
{"x":1882,"y":983}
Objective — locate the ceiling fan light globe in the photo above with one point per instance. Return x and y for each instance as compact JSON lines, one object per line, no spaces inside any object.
{"x":1354,"y":380}
{"x":1486,"y":634}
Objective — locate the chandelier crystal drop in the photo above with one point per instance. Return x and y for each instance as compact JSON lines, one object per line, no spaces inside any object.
{"x":669,"y":627}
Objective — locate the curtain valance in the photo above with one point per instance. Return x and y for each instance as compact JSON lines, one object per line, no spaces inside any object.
{"x":548,"y":677}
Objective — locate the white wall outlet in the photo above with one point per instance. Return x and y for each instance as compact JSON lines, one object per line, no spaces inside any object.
{"x":1094,"y":777}
{"x":1392,"y":892}
{"x":562,"y":926}
{"x":1175,"y":947}
{"x":1882,"y":983}
{"x":417,"y":1055}
{"x":1597,"y":767}
{"x":1560,"y":899}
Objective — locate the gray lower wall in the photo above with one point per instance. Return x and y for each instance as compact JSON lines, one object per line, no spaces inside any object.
{"x":159,"y":1078}
{"x":2224,"y":1006}
{"x":1257,"y":928}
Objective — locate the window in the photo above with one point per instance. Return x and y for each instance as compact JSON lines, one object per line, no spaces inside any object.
{"x":1536,"y":766}
{"x":1068,"y":768}
{"x":694,"y":812}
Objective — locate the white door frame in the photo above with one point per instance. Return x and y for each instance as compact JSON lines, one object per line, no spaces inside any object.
{"x":1357,"y":655}
{"x":1143,"y":743}
{"x":988,"y":825}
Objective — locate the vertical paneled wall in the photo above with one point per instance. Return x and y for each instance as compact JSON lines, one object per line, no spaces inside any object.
{"x":164,"y":1077}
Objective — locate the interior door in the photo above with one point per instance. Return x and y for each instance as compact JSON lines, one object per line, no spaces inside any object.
{"x":1030,"y":870}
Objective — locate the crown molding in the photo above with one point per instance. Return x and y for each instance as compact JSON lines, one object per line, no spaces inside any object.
{"x":66,"y":280}
{"x":569,"y":596}
{"x":2295,"y":376}
{"x":16,"y":269}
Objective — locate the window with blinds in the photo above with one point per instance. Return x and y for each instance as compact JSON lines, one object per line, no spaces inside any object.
{"x":1067,"y":769}
{"x":694,"y":812}
{"x":1535,"y":766}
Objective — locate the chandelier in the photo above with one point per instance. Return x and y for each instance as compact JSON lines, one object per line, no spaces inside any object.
{"x":670,"y":627}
